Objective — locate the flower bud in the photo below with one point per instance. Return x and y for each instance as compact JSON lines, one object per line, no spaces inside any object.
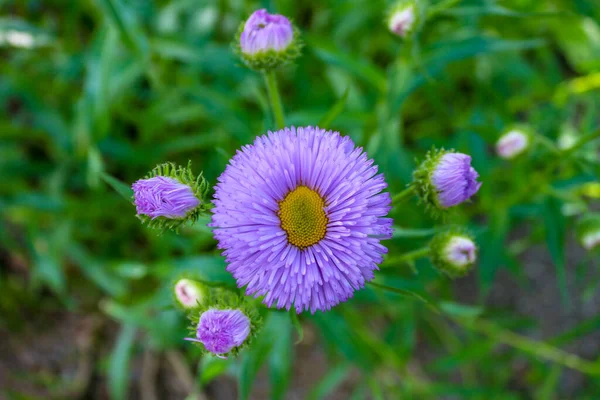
{"x":445,"y":179}
{"x":189,"y":293}
{"x":513,"y":143}
{"x":568,"y":137}
{"x":453,"y":252}
{"x":220,"y":331}
{"x":588,"y":231}
{"x":403,"y":18}
{"x":225,"y":323}
{"x":267,"y":41}
{"x":169,"y":196}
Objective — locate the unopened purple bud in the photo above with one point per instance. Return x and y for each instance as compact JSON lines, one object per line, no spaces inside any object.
{"x":402,"y":21}
{"x":460,"y":251}
{"x":454,"y":179}
{"x":220,"y":331}
{"x":189,"y":293}
{"x":162,"y":196}
{"x":512,"y":143}
{"x":453,"y":252}
{"x":263,"y":32}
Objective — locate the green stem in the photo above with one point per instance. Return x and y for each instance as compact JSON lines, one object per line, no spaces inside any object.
{"x":406,"y":257}
{"x":581,"y":142}
{"x":403,"y":195}
{"x":275,"y":99}
{"x":533,"y":347}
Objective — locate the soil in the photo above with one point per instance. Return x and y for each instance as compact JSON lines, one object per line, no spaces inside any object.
{"x":53,"y":356}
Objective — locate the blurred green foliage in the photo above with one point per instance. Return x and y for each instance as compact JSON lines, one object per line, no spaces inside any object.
{"x":95,"y":93}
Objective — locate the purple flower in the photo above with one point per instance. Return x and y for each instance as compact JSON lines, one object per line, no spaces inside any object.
{"x":264,"y":31}
{"x":222,"y":330}
{"x":300,"y":214}
{"x":454,"y":180}
{"x":161,"y":196}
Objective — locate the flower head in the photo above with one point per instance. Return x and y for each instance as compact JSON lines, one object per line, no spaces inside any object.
{"x":169,"y":196}
{"x":445,"y":179}
{"x":402,"y":20}
{"x":220,"y":331}
{"x":404,"y":17}
{"x":588,"y":231}
{"x":161,"y":196}
{"x":513,"y":143}
{"x":267,"y":40}
{"x":453,"y":252}
{"x":300,"y":214}
{"x":189,"y":293}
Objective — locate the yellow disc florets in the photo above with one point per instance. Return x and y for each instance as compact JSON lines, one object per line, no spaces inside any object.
{"x":303,"y":217}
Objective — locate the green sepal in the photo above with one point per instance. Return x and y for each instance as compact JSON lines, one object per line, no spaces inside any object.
{"x":438,"y":256}
{"x":225,"y":299}
{"x":199,"y":186}
{"x":265,"y":61}
{"x":426,"y":191}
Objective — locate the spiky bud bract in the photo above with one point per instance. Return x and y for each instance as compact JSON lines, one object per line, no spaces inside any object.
{"x":170,"y":196}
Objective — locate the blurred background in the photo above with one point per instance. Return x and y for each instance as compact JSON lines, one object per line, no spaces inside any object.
{"x":94,"y":94}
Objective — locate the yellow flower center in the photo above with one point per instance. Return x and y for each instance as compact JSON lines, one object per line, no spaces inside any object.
{"x":303,"y":217}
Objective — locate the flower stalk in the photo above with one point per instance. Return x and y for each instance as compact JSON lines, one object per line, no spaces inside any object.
{"x":275,"y":99}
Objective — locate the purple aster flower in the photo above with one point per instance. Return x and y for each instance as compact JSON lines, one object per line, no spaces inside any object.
{"x":161,"y":196}
{"x":220,"y":331}
{"x":454,"y":180}
{"x":264,"y":31}
{"x":300,"y":214}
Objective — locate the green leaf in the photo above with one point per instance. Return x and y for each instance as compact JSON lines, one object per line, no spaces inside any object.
{"x":206,"y":268}
{"x":328,"y":52}
{"x":424,"y":298}
{"x":460,"y":310}
{"x":334,"y":377}
{"x":280,"y":358}
{"x":118,"y":370}
{"x":555,"y":240}
{"x":297,"y":325}
{"x":253,"y":359}
{"x":212,"y":367}
{"x":334,"y":111}
{"x":125,"y":21}
{"x":413,"y":233}
{"x":125,"y":191}
{"x":443,"y":53}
